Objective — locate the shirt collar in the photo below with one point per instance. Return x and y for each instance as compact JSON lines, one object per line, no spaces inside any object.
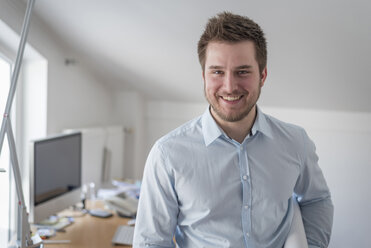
{"x":211,"y":131}
{"x":261,"y":124}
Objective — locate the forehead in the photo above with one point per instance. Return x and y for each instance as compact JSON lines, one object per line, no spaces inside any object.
{"x":230,"y":54}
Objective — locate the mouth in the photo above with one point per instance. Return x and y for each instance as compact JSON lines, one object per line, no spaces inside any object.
{"x":231,"y":98}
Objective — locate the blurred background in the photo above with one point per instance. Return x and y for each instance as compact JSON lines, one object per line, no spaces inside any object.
{"x":93,"y":65}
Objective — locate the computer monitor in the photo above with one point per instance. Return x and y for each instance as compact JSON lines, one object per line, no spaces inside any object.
{"x":55,"y":175}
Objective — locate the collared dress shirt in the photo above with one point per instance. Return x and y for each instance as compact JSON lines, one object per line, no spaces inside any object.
{"x":208,"y":190}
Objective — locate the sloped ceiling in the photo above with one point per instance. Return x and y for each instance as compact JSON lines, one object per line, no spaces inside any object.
{"x":319,"y":51}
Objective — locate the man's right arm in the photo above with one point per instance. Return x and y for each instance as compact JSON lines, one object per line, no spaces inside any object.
{"x":158,"y":206}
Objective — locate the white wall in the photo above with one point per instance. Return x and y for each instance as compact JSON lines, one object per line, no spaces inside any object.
{"x":75,"y":97}
{"x":129,"y":110}
{"x":343,"y":141}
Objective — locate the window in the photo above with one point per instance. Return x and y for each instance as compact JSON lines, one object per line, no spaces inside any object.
{"x":5,"y":73}
{"x":28,"y":119}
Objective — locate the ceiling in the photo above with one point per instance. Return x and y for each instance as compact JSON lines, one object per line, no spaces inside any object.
{"x":318,"y":51}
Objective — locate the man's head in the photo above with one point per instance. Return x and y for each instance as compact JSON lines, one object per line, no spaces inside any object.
{"x":230,"y":28}
{"x":233,"y":56}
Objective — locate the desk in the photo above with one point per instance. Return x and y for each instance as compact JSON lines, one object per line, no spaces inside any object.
{"x":89,"y":232}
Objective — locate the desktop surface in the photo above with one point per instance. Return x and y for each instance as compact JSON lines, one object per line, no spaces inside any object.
{"x":90,"y":231}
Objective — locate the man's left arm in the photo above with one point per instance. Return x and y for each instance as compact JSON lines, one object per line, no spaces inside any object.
{"x":314,"y":198}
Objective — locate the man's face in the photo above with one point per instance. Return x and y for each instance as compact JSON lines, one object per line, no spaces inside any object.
{"x":232,"y":80}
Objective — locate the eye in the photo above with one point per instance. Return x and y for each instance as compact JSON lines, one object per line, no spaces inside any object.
{"x":217,"y":72}
{"x":243,"y":72}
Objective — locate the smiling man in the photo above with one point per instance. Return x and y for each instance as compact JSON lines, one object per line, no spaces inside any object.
{"x":231,"y":177}
{"x":233,"y":82}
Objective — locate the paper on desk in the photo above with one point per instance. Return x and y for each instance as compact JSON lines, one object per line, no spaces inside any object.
{"x":107,"y":193}
{"x":131,"y":189}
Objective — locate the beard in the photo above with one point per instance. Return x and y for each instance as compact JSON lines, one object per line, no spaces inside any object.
{"x":237,"y":115}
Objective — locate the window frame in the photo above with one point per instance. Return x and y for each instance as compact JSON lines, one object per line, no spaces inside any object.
{"x":9,"y":58}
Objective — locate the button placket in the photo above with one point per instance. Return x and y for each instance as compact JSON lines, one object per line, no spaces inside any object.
{"x":246,"y":190}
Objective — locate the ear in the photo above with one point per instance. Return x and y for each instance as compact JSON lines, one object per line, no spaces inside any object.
{"x":263,"y":76}
{"x":203,"y":75}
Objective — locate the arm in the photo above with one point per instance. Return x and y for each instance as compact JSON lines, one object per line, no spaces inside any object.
{"x":314,"y":198}
{"x":158,"y":208}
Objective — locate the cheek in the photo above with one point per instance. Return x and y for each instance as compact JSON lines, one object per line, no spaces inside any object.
{"x":250,"y":84}
{"x":212,"y":85}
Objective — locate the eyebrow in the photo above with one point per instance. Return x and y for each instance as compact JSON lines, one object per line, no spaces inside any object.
{"x":213,"y":67}
{"x":244,"y":67}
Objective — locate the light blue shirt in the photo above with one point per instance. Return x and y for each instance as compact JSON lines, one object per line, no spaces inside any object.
{"x":208,"y":190}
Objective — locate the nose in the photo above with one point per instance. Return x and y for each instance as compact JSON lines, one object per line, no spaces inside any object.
{"x":229,"y":84}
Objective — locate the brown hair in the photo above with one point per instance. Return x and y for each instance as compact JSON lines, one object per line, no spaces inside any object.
{"x":228,"y":27}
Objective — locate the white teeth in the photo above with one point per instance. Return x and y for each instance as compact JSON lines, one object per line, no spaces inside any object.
{"x":231,"y":98}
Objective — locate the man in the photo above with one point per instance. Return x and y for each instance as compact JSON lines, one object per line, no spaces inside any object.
{"x":229,"y":178}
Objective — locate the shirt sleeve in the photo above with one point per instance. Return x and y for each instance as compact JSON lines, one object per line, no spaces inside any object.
{"x":158,"y":206}
{"x":314,"y":198}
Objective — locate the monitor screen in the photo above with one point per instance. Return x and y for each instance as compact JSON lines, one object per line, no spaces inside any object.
{"x":56,"y":173}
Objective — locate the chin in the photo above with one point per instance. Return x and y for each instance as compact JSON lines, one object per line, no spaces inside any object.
{"x":228,"y":116}
{"x":234,"y":116}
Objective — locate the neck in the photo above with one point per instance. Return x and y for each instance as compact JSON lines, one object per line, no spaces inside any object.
{"x":237,"y":130}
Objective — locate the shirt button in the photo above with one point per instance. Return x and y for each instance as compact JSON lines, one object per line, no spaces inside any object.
{"x":246,"y":206}
{"x":241,"y":148}
{"x":244,"y":177}
{"x":247,"y":234}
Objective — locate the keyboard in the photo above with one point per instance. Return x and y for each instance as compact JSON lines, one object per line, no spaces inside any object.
{"x":124,"y":235}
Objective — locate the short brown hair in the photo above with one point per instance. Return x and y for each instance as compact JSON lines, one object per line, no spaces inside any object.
{"x":228,"y":27}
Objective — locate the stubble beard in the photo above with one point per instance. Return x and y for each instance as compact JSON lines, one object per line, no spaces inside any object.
{"x":237,"y":116}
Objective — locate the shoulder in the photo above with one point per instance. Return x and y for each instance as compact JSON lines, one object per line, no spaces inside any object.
{"x":292,"y":136}
{"x":284,"y":129}
{"x":188,"y":132}
{"x":176,"y":145}
{"x":182,"y":132}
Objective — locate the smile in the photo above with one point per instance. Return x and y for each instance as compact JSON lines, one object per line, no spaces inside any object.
{"x":231,"y":98}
